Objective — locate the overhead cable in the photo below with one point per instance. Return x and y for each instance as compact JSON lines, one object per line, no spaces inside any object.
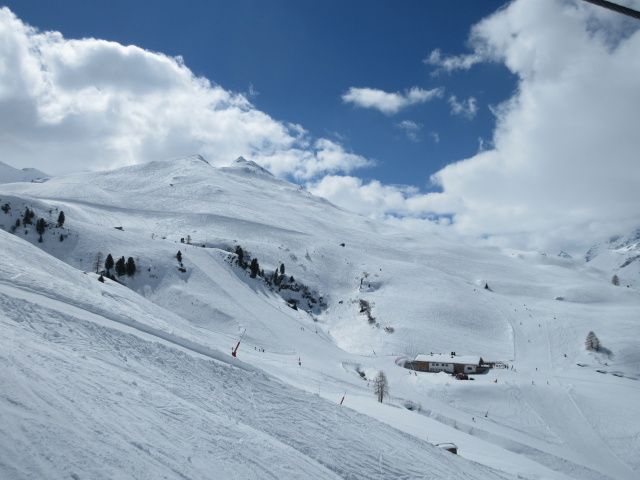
{"x":616,"y":8}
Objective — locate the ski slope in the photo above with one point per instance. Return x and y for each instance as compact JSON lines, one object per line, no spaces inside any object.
{"x":136,"y":381}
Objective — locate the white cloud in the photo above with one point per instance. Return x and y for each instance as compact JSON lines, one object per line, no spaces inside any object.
{"x":373,"y":199}
{"x":561,"y":171}
{"x":563,"y":166}
{"x":322,"y":157}
{"x":466,"y":108}
{"x":389,"y":103}
{"x":70,"y":105}
{"x":450,"y":63}
{"x":411,"y":129}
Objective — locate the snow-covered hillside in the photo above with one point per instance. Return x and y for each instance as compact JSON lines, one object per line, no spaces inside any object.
{"x":9,"y":174}
{"x":619,"y":255}
{"x":137,"y":378}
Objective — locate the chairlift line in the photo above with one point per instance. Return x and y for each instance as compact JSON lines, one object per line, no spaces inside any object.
{"x":616,"y":8}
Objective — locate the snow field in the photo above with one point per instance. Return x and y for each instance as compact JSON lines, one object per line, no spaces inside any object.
{"x":579,"y":425}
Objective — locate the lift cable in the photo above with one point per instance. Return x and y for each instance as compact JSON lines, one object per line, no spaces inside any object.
{"x":616,"y":8}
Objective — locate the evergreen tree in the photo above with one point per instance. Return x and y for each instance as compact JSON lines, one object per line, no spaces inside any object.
{"x":615,"y":280}
{"x":255,"y":268}
{"x":121,"y":268}
{"x":41,"y":226}
{"x":61,"y":219}
{"x":131,"y":267}
{"x":240,"y":254}
{"x":592,"y":342}
{"x":179,"y":256}
{"x":28,"y":215}
{"x":108,"y":263}
{"x":282,"y":269}
{"x":381,"y":386}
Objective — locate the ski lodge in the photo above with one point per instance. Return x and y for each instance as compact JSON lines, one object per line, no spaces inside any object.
{"x":450,"y":363}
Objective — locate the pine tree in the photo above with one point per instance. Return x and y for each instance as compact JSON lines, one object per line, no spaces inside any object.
{"x":121,"y":268}
{"x":131,"y":267}
{"x":108,"y":263}
{"x":240,"y":254}
{"x":592,"y":342}
{"x":381,"y":386}
{"x":282,"y":269}
{"x":28,"y":215}
{"x":61,"y":219}
{"x":615,"y":280}
{"x":254,"y":267}
{"x":41,"y":226}
{"x":179,"y":256}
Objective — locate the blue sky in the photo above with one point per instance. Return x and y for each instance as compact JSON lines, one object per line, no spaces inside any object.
{"x":301,"y":57}
{"x":485,"y":121}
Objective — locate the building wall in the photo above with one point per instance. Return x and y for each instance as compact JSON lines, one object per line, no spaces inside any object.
{"x":440,"y":367}
{"x":443,"y":367}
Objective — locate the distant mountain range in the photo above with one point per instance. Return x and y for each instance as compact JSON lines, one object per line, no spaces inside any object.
{"x":620,"y":254}
{"x":9,"y":174}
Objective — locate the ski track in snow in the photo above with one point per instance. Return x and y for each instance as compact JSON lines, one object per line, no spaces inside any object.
{"x":232,"y":422}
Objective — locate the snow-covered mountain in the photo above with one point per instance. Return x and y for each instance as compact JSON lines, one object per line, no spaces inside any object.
{"x":619,"y":255}
{"x":9,"y":174}
{"x":134,"y":378}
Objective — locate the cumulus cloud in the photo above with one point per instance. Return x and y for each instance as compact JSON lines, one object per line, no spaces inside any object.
{"x":561,"y":171}
{"x":372,"y":199}
{"x":70,"y":105}
{"x":564,"y":156}
{"x":389,"y":103}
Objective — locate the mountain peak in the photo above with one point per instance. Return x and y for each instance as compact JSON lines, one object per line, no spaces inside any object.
{"x":9,"y":174}
{"x":621,"y":243}
{"x":248,"y":166}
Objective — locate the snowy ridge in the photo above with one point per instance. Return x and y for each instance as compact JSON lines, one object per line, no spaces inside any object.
{"x":619,"y":255}
{"x":248,"y":166}
{"x":9,"y":174}
{"x":147,"y":363}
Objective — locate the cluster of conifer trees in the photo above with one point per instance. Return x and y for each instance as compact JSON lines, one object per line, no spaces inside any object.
{"x":120,"y":267}
{"x":27,"y":219}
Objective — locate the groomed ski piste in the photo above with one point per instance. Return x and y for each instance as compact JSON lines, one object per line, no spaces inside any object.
{"x":136,"y":379}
